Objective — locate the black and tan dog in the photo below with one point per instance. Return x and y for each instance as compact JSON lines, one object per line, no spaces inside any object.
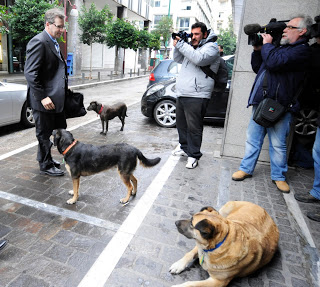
{"x":233,"y":242}
{"x":86,"y":159}
{"x":108,"y":113}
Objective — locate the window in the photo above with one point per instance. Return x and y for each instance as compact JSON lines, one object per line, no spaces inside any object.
{"x":156,"y":3}
{"x":157,"y":19}
{"x":188,"y":8}
{"x":220,"y":14}
{"x":174,"y":68}
{"x":183,"y":23}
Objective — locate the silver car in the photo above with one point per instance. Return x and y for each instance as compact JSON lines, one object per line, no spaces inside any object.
{"x":13,"y":105}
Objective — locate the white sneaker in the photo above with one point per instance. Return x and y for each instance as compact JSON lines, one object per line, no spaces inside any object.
{"x":179,"y":151}
{"x":192,"y":162}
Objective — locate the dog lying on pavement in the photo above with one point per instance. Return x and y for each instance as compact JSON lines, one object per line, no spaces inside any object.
{"x":108,"y":113}
{"x":233,"y":242}
{"x":86,"y":159}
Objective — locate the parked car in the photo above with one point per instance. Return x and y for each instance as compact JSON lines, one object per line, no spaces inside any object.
{"x":159,"y":100}
{"x":165,"y":70}
{"x":13,"y":105}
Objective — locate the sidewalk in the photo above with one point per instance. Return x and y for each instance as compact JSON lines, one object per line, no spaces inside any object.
{"x":53,"y":244}
{"x":97,"y":76}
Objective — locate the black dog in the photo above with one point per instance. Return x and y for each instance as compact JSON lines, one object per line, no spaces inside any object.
{"x":108,"y":113}
{"x":86,"y":159}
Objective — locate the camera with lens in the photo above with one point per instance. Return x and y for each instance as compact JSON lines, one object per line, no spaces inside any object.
{"x":274,"y":28}
{"x":182,"y":35}
{"x":315,"y":28}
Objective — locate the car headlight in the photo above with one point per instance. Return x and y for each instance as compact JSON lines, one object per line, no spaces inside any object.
{"x":154,"y":89}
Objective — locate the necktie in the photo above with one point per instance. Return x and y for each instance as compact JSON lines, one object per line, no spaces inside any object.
{"x":57,"y":47}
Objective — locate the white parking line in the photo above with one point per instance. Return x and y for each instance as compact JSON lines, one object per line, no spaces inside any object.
{"x":101,"y":270}
{"x":60,"y":211}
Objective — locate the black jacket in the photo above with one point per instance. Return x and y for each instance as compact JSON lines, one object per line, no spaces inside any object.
{"x":46,"y":73}
{"x":285,"y":67}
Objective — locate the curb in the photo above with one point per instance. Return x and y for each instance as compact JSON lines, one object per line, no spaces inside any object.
{"x":88,"y":85}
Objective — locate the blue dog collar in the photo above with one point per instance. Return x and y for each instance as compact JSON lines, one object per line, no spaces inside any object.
{"x":217,"y":246}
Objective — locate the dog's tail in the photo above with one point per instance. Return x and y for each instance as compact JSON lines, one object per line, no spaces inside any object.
{"x":146,"y":162}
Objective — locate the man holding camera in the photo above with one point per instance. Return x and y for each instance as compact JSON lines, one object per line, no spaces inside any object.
{"x":194,"y":89}
{"x":284,"y":67}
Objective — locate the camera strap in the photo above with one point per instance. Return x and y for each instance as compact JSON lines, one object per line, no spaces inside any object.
{"x":209,"y":72}
{"x":297,"y":94}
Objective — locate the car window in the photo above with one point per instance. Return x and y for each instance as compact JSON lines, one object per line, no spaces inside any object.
{"x":174,"y":68}
{"x":230,"y":63}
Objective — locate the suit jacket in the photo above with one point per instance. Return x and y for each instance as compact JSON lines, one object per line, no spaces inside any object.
{"x":46,"y":73}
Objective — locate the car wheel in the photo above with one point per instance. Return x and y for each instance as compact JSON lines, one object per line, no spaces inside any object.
{"x":306,"y":122}
{"x":165,"y":113}
{"x":27,"y":116}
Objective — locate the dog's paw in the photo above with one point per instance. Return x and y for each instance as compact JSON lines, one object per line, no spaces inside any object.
{"x":178,"y":267}
{"x":124,"y":200}
{"x":71,"y":201}
{"x":71,"y":192}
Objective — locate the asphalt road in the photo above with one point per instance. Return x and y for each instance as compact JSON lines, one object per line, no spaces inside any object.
{"x":129,"y":91}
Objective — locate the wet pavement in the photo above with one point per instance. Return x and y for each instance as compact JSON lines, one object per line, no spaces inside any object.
{"x":55,"y":244}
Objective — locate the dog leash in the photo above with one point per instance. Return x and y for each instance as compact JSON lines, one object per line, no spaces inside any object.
{"x":210,"y":250}
{"x":69,"y":147}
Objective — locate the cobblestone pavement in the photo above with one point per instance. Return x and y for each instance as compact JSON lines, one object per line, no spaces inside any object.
{"x":54,"y":244}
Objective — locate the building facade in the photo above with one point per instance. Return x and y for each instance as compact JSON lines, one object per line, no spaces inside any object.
{"x":184,"y":13}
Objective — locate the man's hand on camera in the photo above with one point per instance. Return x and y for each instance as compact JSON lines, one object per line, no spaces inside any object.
{"x":47,"y":103}
{"x":267,"y":38}
{"x":175,"y":41}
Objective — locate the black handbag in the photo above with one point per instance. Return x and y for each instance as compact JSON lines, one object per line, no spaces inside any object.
{"x":269,"y":111}
{"x":73,"y":105}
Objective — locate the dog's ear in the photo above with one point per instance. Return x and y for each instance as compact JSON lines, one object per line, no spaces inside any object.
{"x":206,"y":229}
{"x":208,"y":208}
{"x":56,"y":136}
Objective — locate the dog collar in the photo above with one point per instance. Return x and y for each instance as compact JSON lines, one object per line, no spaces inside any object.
{"x":101,"y":110}
{"x":217,"y":246}
{"x":210,"y":250}
{"x":69,"y":147}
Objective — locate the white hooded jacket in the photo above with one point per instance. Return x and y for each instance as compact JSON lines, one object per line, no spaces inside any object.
{"x":192,"y":81}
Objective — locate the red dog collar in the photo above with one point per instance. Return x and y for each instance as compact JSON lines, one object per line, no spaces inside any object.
{"x":69,"y":147}
{"x":101,"y":110}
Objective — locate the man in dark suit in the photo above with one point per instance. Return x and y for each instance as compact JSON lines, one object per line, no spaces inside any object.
{"x":46,"y":74}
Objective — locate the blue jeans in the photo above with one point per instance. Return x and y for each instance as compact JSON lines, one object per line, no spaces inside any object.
{"x":315,"y":191}
{"x":277,"y":135}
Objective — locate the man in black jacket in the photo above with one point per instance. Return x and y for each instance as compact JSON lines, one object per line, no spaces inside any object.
{"x":46,"y":74}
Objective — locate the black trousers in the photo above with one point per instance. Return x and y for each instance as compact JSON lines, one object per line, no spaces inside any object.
{"x":45,"y":124}
{"x":190,"y":113}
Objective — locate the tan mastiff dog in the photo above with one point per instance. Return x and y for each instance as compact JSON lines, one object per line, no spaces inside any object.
{"x":233,"y":242}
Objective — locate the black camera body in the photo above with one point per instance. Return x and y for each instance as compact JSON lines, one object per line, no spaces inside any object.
{"x":274,"y":28}
{"x":182,"y":35}
{"x":315,"y":28}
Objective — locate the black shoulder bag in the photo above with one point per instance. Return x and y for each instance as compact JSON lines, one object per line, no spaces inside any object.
{"x":269,"y":111}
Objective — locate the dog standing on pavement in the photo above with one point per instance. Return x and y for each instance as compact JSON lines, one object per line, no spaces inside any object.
{"x":108,"y":113}
{"x":233,"y":242}
{"x":86,"y":159}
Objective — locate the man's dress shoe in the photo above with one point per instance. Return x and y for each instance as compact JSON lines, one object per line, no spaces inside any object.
{"x":52,"y":171}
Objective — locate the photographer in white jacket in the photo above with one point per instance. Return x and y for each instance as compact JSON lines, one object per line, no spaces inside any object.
{"x":194,"y":89}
